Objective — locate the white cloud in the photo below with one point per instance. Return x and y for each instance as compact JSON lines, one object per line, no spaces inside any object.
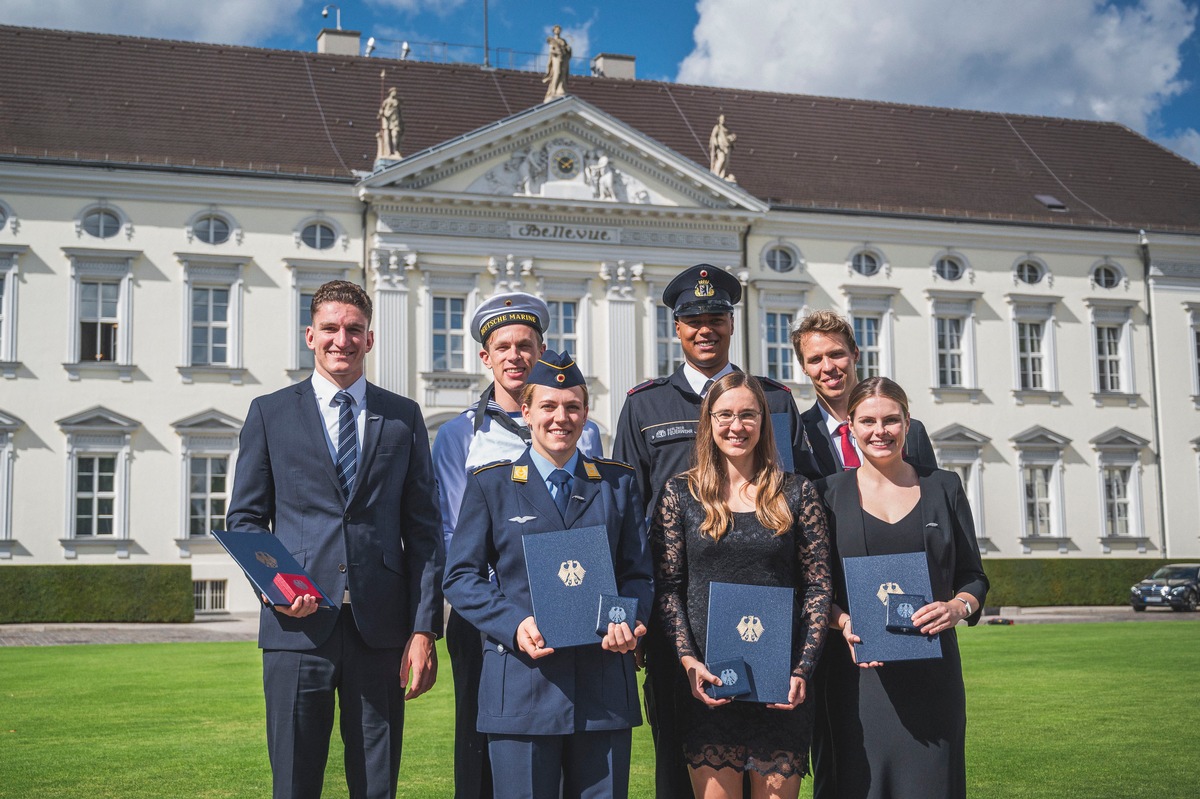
{"x":1186,"y":144}
{"x":222,"y":21}
{"x":1072,"y":58}
{"x":440,"y":7}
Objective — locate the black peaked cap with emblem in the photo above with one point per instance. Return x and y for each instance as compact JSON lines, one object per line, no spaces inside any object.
{"x":702,"y":289}
{"x":556,"y":371}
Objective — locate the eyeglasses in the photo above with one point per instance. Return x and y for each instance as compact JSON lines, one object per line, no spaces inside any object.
{"x":725,"y":418}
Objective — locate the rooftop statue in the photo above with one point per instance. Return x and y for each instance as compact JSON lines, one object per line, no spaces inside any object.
{"x":391,"y":124}
{"x":720,"y":149}
{"x":558,"y":67}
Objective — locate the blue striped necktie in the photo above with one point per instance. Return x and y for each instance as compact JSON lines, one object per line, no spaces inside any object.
{"x":347,"y":451}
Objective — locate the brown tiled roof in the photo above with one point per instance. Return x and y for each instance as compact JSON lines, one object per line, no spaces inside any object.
{"x":90,"y":97}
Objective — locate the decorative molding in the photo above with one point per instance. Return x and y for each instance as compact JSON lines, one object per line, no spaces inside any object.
{"x":620,"y":280}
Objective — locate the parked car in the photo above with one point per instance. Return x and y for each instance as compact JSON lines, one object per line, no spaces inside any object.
{"x":1176,"y":585}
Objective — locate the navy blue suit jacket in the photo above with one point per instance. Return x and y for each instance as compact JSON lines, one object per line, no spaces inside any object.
{"x":576,"y":689}
{"x":384,"y":542}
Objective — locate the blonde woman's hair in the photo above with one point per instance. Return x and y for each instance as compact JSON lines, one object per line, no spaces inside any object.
{"x":707,"y":478}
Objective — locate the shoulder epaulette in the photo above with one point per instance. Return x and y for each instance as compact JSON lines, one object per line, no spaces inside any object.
{"x":775,"y":383}
{"x":657,"y":381}
{"x":613,"y":463}
{"x":487,"y":466}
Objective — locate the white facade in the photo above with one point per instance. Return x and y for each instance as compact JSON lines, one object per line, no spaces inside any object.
{"x":1062,"y":386}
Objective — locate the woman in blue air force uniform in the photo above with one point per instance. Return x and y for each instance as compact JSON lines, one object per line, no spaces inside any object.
{"x":552,"y":717}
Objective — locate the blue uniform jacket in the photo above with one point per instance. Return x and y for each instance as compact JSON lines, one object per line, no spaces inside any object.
{"x":576,"y":689}
{"x":460,"y":449}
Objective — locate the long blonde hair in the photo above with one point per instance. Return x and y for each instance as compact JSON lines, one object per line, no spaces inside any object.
{"x":707,"y":478}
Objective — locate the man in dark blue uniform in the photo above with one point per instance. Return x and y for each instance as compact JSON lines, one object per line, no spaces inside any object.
{"x":656,"y":434}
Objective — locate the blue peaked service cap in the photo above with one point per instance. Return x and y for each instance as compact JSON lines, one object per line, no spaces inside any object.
{"x":702,"y":289}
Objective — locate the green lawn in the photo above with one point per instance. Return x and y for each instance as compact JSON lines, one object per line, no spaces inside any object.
{"x":1089,"y":711}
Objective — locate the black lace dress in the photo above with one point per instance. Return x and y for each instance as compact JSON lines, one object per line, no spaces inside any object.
{"x":742,"y":735}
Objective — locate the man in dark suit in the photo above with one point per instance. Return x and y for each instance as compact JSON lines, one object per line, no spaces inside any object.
{"x":824,"y":343}
{"x":340,"y":471}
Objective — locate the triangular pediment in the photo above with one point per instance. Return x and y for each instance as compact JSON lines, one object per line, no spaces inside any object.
{"x":8,"y":422}
{"x":565,"y":151}
{"x":98,"y":418}
{"x":1039,"y":437}
{"x":210,"y":421}
{"x":1116,"y":438}
{"x":959,"y":434}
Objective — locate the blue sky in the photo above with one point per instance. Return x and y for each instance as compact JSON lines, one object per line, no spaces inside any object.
{"x":1136,"y":62}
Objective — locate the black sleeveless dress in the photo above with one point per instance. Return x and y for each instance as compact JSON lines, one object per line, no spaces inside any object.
{"x":899,"y":730}
{"x":742,"y":735}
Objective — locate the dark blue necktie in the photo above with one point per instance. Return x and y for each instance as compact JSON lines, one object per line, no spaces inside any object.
{"x":347,"y":451}
{"x":561,"y":479}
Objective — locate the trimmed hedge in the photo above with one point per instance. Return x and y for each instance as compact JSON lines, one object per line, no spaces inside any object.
{"x":100,"y":593}
{"x":1038,"y":582}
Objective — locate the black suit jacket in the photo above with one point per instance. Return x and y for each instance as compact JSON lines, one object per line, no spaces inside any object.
{"x":820,"y":459}
{"x":383,"y":542}
{"x":949,"y":530}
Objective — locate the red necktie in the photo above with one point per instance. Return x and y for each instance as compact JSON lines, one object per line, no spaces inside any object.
{"x":849,"y":456}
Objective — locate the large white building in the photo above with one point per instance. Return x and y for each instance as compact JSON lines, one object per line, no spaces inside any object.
{"x":167,"y":208}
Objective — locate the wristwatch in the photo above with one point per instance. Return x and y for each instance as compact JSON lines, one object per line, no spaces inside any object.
{"x":970,"y":609}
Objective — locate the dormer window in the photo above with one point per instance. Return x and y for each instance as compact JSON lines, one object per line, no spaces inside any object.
{"x":1051,"y":202}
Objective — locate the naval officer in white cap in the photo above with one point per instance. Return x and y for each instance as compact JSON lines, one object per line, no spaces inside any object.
{"x":509,"y":328}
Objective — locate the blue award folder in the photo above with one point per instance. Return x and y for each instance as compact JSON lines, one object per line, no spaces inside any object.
{"x":754,"y":623}
{"x":568,"y":571}
{"x":781,"y":425}
{"x":262,"y":556}
{"x":871,"y":581}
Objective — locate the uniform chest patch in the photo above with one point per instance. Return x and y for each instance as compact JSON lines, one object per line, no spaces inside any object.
{"x":667,"y":432}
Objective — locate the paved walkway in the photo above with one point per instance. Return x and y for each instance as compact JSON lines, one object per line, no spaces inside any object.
{"x":244,"y":626}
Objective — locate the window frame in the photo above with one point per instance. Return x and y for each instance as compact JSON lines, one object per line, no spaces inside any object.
{"x":882,"y":266}
{"x":1040,"y":448}
{"x":339,"y":234}
{"x":1118,"y":450}
{"x":209,"y":434}
{"x":306,"y":276}
{"x":1113,"y":314}
{"x":780,"y":246}
{"x":875,"y":301}
{"x":98,"y":432}
{"x":670,"y":342}
{"x":111,"y":266}
{"x":946,"y":305}
{"x":192,"y":228}
{"x":207,"y":272}
{"x":10,"y":284}
{"x":1043,"y":310}
{"x":781,"y":350}
{"x":555,"y":306}
{"x":9,"y":425}
{"x":1044,"y":275}
{"x":453,"y":335}
{"x":965,"y":270}
{"x":124,"y":225}
{"x":958,"y":446}
{"x":1120,"y":276}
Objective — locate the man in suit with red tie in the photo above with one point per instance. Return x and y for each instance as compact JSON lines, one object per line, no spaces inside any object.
{"x":824,"y":343}
{"x":340,"y":471}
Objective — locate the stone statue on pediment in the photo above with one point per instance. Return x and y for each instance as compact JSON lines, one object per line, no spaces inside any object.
{"x":558,"y":67}
{"x":391,"y":127}
{"x":720,"y":150}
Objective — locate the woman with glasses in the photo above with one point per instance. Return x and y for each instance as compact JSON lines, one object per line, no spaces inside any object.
{"x":898,"y":729}
{"x":736,"y":517}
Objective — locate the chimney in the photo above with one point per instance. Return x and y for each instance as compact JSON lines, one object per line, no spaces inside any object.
{"x":339,"y":42}
{"x":612,"y":65}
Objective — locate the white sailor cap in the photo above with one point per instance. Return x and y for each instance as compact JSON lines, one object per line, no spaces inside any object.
{"x":513,"y":308}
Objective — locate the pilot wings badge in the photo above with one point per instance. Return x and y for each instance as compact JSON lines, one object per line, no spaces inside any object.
{"x":750,"y":628}
{"x":571,"y":572}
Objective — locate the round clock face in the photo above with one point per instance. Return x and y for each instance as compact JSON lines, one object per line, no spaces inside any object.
{"x":564,"y":163}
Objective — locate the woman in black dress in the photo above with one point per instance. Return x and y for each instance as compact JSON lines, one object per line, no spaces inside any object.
{"x":898,"y":729}
{"x":737,"y":518}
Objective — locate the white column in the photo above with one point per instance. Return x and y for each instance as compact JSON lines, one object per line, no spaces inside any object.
{"x":622,"y":332}
{"x":393,"y":338}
